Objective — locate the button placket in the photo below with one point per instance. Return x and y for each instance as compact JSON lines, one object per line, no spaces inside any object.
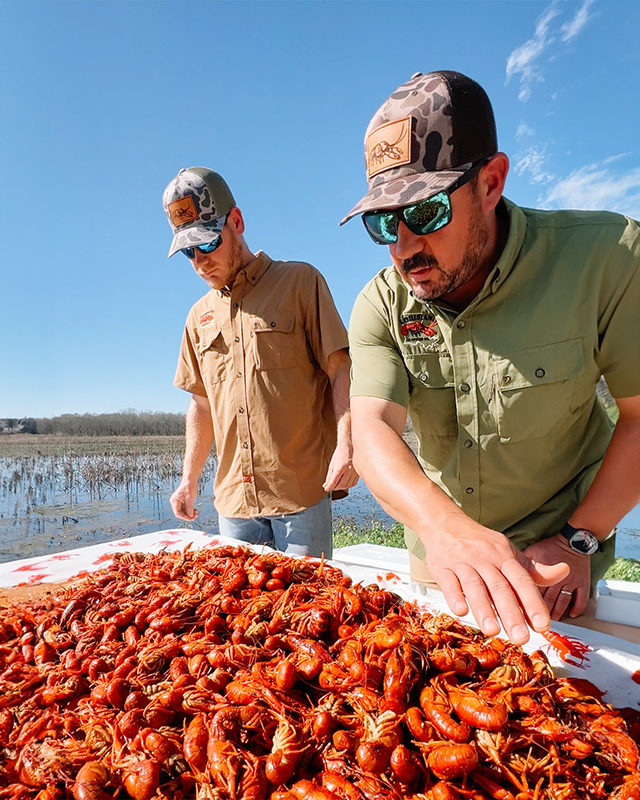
{"x":241,"y":395}
{"x":465,"y":380}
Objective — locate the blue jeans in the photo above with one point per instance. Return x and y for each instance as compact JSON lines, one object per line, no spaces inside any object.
{"x":307,"y":533}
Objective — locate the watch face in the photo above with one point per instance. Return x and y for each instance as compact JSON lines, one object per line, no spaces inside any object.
{"x":584,"y":542}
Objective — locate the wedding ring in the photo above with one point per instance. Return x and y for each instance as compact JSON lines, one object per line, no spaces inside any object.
{"x":564,"y":591}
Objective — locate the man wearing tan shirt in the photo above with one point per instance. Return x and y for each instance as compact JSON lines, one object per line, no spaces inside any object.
{"x":264,"y":355}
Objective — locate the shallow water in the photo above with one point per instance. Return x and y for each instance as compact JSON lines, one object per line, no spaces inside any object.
{"x":51,"y":504}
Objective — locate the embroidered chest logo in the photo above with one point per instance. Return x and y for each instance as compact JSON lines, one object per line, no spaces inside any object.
{"x":415,"y":326}
{"x":206,"y":319}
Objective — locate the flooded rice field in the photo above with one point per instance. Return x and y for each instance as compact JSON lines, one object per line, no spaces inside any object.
{"x":58,"y":494}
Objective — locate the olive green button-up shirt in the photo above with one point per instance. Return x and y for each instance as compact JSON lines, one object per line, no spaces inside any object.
{"x":260,"y":354}
{"x":502,"y":395}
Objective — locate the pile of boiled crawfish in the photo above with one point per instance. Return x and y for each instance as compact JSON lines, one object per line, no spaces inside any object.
{"x":224,"y":674}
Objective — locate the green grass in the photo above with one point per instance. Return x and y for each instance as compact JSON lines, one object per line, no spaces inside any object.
{"x":347,"y":532}
{"x":624,"y":569}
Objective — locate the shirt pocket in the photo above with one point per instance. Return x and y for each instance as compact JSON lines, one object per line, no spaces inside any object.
{"x":535,"y":387}
{"x":213,"y":356}
{"x":275,"y":341}
{"x":432,"y":403}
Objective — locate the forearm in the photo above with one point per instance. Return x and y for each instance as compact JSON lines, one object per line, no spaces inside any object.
{"x":397,"y":481}
{"x":616,"y":488}
{"x":341,"y":410}
{"x":198,"y":440}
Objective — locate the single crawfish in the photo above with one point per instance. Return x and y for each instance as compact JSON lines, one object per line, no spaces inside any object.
{"x":476,"y":711}
{"x":437,"y":710}
{"x":286,"y":752}
{"x":449,"y":761}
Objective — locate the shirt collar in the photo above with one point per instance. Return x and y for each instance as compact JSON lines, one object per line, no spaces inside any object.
{"x":256,"y":269}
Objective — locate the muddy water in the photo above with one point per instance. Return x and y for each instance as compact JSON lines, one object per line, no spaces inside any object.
{"x":49,"y":504}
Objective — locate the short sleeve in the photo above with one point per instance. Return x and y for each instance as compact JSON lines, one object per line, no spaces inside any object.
{"x":377,"y":367}
{"x":324,"y":329}
{"x":618,"y":353}
{"x":188,"y":375}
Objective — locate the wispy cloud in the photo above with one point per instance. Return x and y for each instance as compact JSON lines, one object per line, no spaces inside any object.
{"x":523,"y":130}
{"x":572,"y":28}
{"x":525,"y":60}
{"x":533,"y":161}
{"x":597,"y":186}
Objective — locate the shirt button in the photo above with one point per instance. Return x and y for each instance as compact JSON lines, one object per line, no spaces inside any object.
{"x":246,"y":447}
{"x":241,"y":411}
{"x":506,"y":379}
{"x":247,"y":478}
{"x":464,"y":387}
{"x":273,"y":324}
{"x":461,"y":324}
{"x":238,"y":374}
{"x":423,"y":376}
{"x":468,"y":443}
{"x":236,"y":338}
{"x":540,"y":373}
{"x":469,"y":490}
{"x":235,"y":305}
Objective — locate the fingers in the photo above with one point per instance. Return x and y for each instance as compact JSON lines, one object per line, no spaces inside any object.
{"x":340,"y":478}
{"x":509,"y":598}
{"x":562,"y":600}
{"x":183,"y":507}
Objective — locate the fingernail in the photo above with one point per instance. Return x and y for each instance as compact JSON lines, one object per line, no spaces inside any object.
{"x":520,"y":632}
{"x":490,"y":627}
{"x":540,"y":622}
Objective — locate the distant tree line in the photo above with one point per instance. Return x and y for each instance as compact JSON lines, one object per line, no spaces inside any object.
{"x":121,"y":423}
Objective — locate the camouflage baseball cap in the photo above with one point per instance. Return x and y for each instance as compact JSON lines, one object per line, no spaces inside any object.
{"x":423,"y":138}
{"x":196,"y":203}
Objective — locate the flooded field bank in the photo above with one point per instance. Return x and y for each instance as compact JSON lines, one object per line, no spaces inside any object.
{"x":59,"y":493}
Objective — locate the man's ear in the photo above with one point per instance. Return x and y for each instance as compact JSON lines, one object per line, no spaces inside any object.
{"x":491,"y":180}
{"x":236,"y":220}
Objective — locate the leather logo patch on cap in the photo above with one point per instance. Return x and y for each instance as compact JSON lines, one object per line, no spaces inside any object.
{"x":389,"y":146}
{"x":182,"y":211}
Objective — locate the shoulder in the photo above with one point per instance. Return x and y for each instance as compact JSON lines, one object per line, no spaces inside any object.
{"x":385,"y":289}
{"x":203,"y":307}
{"x":608,"y":227}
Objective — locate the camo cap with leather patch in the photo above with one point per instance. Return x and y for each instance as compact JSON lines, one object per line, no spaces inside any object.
{"x":196,"y":203}
{"x":429,"y":132}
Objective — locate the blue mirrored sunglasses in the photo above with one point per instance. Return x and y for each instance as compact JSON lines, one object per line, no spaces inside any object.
{"x":203,"y":248}
{"x":423,"y":217}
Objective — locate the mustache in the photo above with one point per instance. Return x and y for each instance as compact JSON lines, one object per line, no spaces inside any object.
{"x":418,"y":261}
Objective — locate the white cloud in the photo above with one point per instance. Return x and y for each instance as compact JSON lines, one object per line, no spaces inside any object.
{"x":532,"y":161}
{"x":522,"y":59}
{"x":572,"y":28}
{"x":597,"y":186}
{"x":523,"y":130}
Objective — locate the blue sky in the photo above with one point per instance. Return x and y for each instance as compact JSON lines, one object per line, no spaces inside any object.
{"x":103,"y":102}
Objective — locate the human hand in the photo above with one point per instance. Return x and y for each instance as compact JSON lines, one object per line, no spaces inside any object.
{"x":571,"y":594}
{"x":479,"y":569}
{"x":341,"y":473}
{"x":182,"y":501}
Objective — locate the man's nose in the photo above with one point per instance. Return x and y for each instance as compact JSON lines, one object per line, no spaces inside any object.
{"x":200,"y":258}
{"x":408,"y":243}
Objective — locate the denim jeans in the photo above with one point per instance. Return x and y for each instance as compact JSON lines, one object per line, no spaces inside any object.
{"x":307,"y":533}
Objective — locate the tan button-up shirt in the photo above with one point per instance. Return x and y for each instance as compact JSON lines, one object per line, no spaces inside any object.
{"x":259,"y":355}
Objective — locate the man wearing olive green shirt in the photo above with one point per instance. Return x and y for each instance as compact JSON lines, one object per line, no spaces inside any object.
{"x":492,"y":330}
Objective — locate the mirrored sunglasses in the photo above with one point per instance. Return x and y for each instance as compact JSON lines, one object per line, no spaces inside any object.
{"x":203,"y":248}
{"x":423,"y":217}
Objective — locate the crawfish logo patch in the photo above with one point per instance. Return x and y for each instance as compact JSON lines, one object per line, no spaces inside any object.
{"x":206,"y":319}
{"x":389,"y":146}
{"x":415,"y":326}
{"x":182,"y":211}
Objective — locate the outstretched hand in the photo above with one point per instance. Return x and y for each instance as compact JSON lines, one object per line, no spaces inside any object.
{"x":479,"y":569}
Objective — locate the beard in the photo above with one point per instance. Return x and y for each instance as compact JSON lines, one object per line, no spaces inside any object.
{"x":234,"y":265}
{"x":447,"y":279}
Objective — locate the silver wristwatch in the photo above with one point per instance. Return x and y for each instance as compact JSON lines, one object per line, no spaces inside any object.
{"x":580,"y":540}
